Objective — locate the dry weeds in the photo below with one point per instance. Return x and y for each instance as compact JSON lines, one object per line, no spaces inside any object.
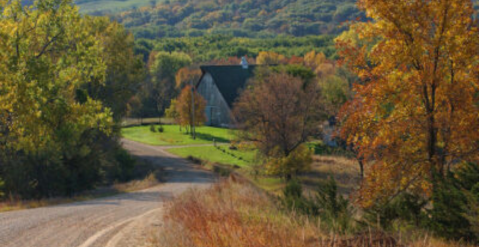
{"x":344,"y":170}
{"x":238,"y":214}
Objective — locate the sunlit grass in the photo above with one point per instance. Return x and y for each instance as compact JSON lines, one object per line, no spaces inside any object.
{"x":221,"y":154}
{"x":172,"y":136}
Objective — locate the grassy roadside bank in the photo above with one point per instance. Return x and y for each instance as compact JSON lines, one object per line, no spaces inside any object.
{"x":238,"y":214}
{"x":145,"y":175}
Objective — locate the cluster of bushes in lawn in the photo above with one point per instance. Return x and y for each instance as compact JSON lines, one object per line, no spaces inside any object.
{"x":154,"y":129}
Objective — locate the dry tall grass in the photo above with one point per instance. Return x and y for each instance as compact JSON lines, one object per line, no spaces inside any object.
{"x":344,"y":170}
{"x":231,"y":214}
{"x":237,"y":214}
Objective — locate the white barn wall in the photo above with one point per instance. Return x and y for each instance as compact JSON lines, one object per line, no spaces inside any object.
{"x":217,"y":110}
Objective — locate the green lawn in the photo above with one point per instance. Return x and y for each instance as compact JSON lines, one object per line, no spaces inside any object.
{"x":326,"y":162}
{"x":173,"y":137}
{"x":245,"y":159}
{"x":222,"y":154}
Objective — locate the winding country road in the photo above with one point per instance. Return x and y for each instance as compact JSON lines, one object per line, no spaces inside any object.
{"x":122,"y":220}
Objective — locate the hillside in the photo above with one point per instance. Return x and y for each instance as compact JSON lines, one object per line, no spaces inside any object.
{"x":241,"y":18}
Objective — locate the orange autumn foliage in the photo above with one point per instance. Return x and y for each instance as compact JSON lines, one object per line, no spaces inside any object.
{"x":186,"y":76}
{"x":415,"y":111}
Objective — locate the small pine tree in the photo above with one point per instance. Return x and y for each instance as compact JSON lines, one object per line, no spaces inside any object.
{"x":447,"y":215}
{"x":333,"y":208}
{"x":294,"y":200}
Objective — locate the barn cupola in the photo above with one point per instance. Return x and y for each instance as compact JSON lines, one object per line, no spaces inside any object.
{"x":244,"y":63}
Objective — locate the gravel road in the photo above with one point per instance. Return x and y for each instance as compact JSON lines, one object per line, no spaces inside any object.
{"x":122,"y":220}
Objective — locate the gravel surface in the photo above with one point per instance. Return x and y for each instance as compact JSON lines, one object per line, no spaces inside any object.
{"x":122,"y":220}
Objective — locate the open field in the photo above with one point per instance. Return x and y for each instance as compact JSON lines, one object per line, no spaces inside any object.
{"x":172,"y":136}
{"x":111,"y":6}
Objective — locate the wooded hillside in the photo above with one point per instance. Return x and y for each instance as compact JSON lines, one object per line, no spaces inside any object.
{"x":245,"y":18}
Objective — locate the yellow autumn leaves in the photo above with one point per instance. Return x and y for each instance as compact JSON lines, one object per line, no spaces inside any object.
{"x":48,"y":53}
{"x":414,"y":111}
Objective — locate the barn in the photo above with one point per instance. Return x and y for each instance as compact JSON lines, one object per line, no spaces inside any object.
{"x":220,"y":86}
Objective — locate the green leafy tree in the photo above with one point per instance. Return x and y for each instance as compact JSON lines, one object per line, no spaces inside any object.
{"x":163,"y":72}
{"x":124,"y":70}
{"x":335,"y":91}
{"x":172,"y":112}
{"x":48,"y":54}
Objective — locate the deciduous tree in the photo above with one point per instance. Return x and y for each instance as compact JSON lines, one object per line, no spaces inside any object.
{"x":415,"y":112}
{"x":163,"y":72}
{"x":335,"y":91}
{"x":124,"y":70}
{"x":172,"y":111}
{"x":186,"y":76}
{"x":278,"y":112}
{"x":184,"y":108}
{"x":47,"y":122}
{"x":270,"y":58}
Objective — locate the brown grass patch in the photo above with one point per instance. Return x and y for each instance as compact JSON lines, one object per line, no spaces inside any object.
{"x":344,"y":170}
{"x":152,"y":179}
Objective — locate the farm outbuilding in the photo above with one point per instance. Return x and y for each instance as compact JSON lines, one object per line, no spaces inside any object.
{"x":220,"y":86}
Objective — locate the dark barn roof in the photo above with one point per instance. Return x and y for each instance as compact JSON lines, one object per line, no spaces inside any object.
{"x":229,"y":79}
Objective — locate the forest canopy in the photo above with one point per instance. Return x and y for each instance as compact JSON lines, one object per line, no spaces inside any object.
{"x":250,"y":18}
{"x":212,"y":47}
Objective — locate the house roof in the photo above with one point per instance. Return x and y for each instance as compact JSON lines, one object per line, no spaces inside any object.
{"x":229,"y":79}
